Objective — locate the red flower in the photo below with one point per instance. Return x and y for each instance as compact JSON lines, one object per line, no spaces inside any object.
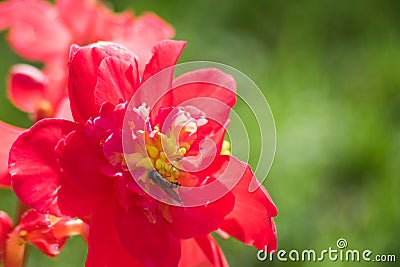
{"x":43,"y":32}
{"x":80,"y":169}
{"x":48,"y":233}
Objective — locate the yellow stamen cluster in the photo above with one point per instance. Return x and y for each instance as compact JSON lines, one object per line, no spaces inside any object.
{"x":164,"y":154}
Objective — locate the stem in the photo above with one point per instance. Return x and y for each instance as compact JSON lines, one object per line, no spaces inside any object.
{"x":21,"y":209}
{"x":15,"y":251}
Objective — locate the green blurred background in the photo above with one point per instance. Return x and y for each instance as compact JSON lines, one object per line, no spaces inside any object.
{"x":330,"y":71}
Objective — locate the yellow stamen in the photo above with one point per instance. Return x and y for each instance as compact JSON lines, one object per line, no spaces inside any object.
{"x":163,"y":156}
{"x":182,"y":151}
{"x":226,"y":145}
{"x":152,"y":150}
{"x":23,"y":233}
{"x":160,"y":164}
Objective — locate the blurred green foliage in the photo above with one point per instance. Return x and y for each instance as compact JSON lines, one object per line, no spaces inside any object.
{"x":330,"y":71}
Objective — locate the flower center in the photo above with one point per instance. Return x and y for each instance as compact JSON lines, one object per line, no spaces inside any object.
{"x":165,"y":154}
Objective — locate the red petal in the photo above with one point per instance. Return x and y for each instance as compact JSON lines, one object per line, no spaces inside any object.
{"x":5,"y":229}
{"x":27,"y":87}
{"x":210,"y":90}
{"x":83,"y":68}
{"x":141,"y":238}
{"x":251,"y":219}
{"x":81,"y":165}
{"x":105,"y":247}
{"x":36,"y":30}
{"x":164,"y":54}
{"x":202,"y":251}
{"x":8,"y":135}
{"x":36,"y":176}
{"x":117,"y":80}
{"x":188,"y":222}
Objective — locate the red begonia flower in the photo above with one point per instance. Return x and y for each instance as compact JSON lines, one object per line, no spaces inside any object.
{"x":85,"y":169}
{"x":46,"y":232}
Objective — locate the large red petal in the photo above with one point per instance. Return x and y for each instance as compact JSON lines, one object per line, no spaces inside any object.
{"x":116,"y":81}
{"x":141,"y":237}
{"x":165,"y":54}
{"x":36,"y":175}
{"x":8,"y":135}
{"x":251,"y":219}
{"x":202,"y":251}
{"x":188,"y":222}
{"x":105,"y":247}
{"x":83,"y":68}
{"x":33,"y":164}
{"x":36,"y":30}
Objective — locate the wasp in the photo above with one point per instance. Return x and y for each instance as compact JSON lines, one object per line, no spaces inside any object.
{"x":167,"y":186}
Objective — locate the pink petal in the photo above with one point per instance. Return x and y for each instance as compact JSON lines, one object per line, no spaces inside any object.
{"x":36,"y":176}
{"x":83,"y":68}
{"x":141,"y":237}
{"x":64,"y":110}
{"x":56,"y":89}
{"x":36,"y":30}
{"x":116,"y":81}
{"x":105,"y":247}
{"x":8,"y":135}
{"x":27,"y":86}
{"x":251,"y":219}
{"x":202,"y":251}
{"x":83,"y":16}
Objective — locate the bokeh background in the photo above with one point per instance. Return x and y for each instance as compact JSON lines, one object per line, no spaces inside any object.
{"x":331,"y":73}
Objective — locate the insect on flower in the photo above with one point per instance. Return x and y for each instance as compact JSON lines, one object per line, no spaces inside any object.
{"x":167,"y":186}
